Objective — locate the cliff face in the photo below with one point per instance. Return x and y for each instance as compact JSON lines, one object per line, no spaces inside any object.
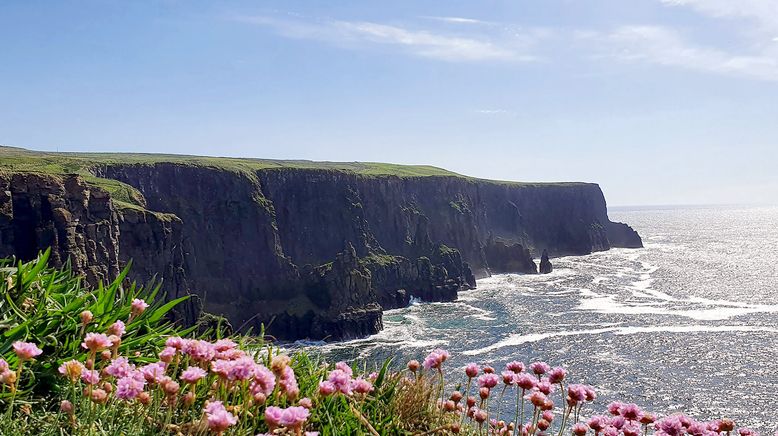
{"x":308,"y":252}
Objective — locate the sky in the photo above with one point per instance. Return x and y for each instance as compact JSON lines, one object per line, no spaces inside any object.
{"x":658,"y":101}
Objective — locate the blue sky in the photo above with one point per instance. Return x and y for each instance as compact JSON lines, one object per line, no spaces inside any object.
{"x":659,"y":101}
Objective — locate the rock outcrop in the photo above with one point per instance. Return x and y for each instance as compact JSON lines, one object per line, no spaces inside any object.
{"x":545,"y":264}
{"x":309,"y":253}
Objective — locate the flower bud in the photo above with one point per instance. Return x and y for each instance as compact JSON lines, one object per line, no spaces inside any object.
{"x":449,"y":406}
{"x":105,"y":355}
{"x":144,"y":398}
{"x":66,"y":407}
{"x":86,"y":317}
{"x":456,"y":396}
{"x":483,"y":393}
{"x":189,"y":398}
{"x":107,"y":387}
{"x":470,"y":401}
{"x":413,"y":365}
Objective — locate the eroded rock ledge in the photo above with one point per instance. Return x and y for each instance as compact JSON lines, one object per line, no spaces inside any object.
{"x":310,"y":253}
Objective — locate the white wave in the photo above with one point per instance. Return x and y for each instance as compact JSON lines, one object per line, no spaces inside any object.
{"x":517,"y":339}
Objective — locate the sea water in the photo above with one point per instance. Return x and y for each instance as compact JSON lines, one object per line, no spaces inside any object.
{"x":687,"y":324}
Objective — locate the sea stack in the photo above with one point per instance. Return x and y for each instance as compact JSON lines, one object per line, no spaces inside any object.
{"x":545,"y":264}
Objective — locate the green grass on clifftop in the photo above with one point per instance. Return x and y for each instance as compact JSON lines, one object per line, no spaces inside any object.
{"x":13,"y":159}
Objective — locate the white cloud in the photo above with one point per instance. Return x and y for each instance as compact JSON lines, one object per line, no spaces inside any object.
{"x":460,"y":20}
{"x":423,"y":43}
{"x":494,"y":112}
{"x":764,"y":12}
{"x":664,"y":46}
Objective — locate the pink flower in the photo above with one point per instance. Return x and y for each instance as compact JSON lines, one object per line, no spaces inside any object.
{"x":86,"y":317}
{"x":294,"y":417}
{"x":580,"y":429}
{"x":327,"y":388}
{"x":95,"y":342}
{"x":224,"y":344}
{"x":153,"y":372}
{"x":71,"y":369}
{"x":90,"y":376}
{"x":670,"y":426}
{"x":264,"y":381}
{"x":3,"y":365}
{"x":515,"y":366}
{"x":273,"y":416}
{"x":175,"y":342}
{"x":167,"y":354}
{"x":199,"y":350}
{"x":193,"y":374}
{"x":341,"y":381}
{"x":26,"y":350}
{"x":138,"y":307}
{"x":361,"y":386}
{"x":545,"y":386}
{"x":508,"y":377}
{"x":119,"y":367}
{"x":540,"y":368}
{"x":219,"y":419}
{"x":488,"y":381}
{"x":537,"y":398}
{"x":576,"y":393}
{"x":614,"y":407}
{"x":287,"y":383}
{"x":631,"y":412}
{"x":526,"y":381}
{"x":128,"y":388}
{"x":243,"y":369}
{"x":471,"y":370}
{"x":343,"y":366}
{"x":117,"y":328}
{"x":306,"y":402}
{"x":435,"y":359}
{"x":598,"y":422}
{"x":557,"y":375}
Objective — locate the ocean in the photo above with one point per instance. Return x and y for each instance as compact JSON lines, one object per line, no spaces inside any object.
{"x":687,"y":324}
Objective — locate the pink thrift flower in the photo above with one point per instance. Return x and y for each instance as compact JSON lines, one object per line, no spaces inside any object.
{"x":526,"y":381}
{"x":90,"y":376}
{"x":138,"y":307}
{"x":294,"y":417}
{"x":128,"y":388}
{"x":557,"y":375}
{"x":580,"y":429}
{"x":199,"y":350}
{"x":219,"y":419}
{"x":26,"y":350}
{"x":243,"y":369}
{"x":343,"y":366}
{"x":306,"y":402}
{"x":488,"y":381}
{"x":361,"y":386}
{"x":540,"y":368}
{"x":618,"y":422}
{"x":537,"y":398}
{"x":327,"y":388}
{"x":576,"y":393}
{"x":95,"y":342}
{"x":167,"y":354}
{"x":273,"y":416}
{"x":515,"y":367}
{"x":86,"y":317}
{"x":119,"y":367}
{"x":341,"y":381}
{"x":175,"y":342}
{"x":3,"y":365}
{"x":264,"y":381}
{"x":224,"y":344}
{"x":508,"y":377}
{"x":117,"y":329}
{"x":545,"y":386}
{"x":598,"y":423}
{"x":471,"y":370}
{"x":153,"y":372}
{"x":631,"y":412}
{"x":71,"y":369}
{"x":287,"y":383}
{"x":615,"y":407}
{"x":193,"y":374}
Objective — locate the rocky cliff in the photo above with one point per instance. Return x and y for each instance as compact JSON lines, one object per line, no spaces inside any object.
{"x":308,"y":252}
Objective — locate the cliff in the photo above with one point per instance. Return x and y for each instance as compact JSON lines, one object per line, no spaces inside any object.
{"x":309,"y":249}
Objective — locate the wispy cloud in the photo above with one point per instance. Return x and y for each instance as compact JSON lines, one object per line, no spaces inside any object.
{"x":665,"y":46}
{"x":423,"y":43}
{"x":460,"y":20}
{"x":494,"y":112}
{"x":763,"y":12}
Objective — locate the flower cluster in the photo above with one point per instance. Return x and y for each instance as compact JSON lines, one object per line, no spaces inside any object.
{"x":341,"y":381}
